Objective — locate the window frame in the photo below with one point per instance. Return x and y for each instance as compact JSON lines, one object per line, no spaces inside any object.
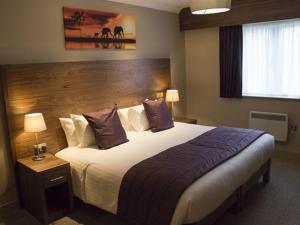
{"x":278,"y":97}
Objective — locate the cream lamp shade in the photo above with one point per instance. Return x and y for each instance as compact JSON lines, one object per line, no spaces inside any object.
{"x":202,"y":7}
{"x":172,"y":96}
{"x":34,"y":123}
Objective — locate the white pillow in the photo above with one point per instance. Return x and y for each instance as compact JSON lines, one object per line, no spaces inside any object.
{"x":138,"y":119}
{"x":84,"y":133}
{"x":69,"y":129}
{"x":123,"y":115}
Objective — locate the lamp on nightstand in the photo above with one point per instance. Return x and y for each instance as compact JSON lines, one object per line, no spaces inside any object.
{"x":172,"y":96}
{"x":35,"y":123}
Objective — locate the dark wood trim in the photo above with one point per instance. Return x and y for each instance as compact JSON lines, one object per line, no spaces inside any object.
{"x":59,"y":89}
{"x":237,"y":199}
{"x":242,"y":12}
{"x":46,"y":188}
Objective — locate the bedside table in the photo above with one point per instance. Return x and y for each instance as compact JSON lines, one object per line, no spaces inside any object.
{"x":185,"y":120}
{"x":45,"y":187}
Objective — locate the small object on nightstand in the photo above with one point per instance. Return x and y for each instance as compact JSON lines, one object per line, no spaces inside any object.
{"x":35,"y":123}
{"x":185,"y":120}
{"x":45,"y":187}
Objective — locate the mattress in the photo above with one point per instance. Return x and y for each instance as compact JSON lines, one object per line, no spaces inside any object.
{"x":97,"y":175}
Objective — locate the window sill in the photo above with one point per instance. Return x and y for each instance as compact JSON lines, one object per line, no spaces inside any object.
{"x":272,"y":98}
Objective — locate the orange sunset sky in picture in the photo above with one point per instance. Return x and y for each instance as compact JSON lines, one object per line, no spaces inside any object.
{"x":95,"y":29}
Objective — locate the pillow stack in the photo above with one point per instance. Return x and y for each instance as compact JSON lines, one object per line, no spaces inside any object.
{"x":84,"y":132}
{"x":69,"y":128}
{"x":107,"y":128}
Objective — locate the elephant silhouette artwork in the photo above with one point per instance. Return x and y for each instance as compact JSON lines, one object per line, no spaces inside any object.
{"x":118,"y":32}
{"x":105,"y":33}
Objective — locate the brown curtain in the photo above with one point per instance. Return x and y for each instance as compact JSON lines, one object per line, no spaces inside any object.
{"x":231,"y":61}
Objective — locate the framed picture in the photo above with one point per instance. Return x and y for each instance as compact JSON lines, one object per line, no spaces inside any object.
{"x":90,"y":29}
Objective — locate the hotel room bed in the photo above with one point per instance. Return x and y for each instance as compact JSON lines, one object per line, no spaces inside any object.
{"x":61,"y":89}
{"x":97,"y":175}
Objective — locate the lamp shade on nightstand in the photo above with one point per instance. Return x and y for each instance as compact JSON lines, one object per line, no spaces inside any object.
{"x":34,"y":123}
{"x":172,"y":96}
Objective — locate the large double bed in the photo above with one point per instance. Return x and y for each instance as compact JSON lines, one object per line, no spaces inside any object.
{"x":97,"y":175}
{"x":60,"y":89}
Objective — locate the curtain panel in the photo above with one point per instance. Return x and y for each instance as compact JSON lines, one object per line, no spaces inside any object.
{"x":231,"y":61}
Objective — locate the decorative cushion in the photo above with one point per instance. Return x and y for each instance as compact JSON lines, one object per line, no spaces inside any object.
{"x":107,"y":128}
{"x":68,"y":126}
{"x":158,"y":115}
{"x":138,"y":119}
{"x":84,"y":134}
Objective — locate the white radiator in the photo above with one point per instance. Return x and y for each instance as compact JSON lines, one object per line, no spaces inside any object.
{"x":273,"y":123}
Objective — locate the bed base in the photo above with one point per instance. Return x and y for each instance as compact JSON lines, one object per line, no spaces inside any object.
{"x":236,"y":201}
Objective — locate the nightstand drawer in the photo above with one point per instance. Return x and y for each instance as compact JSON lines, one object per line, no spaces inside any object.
{"x":55,"y":177}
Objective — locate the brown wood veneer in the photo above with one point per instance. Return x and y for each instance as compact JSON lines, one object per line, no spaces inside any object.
{"x":242,"y":12}
{"x":58,"y":89}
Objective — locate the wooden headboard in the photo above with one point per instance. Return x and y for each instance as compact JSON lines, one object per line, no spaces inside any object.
{"x":58,"y":89}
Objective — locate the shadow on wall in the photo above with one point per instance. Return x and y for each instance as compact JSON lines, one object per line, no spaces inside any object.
{"x":4,"y":165}
{"x":6,"y":175}
{"x":3,"y":170}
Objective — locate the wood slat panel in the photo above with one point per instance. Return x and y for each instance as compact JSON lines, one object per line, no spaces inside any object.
{"x":58,"y":89}
{"x":242,"y":12}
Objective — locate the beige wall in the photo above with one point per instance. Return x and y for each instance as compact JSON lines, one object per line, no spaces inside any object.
{"x":32,"y":31}
{"x":202,"y":89}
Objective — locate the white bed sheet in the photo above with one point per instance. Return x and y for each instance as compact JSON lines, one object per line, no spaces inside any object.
{"x":97,"y":175}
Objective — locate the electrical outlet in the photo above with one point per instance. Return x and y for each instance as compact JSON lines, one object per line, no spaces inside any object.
{"x":294,"y":128}
{"x":42,"y":147}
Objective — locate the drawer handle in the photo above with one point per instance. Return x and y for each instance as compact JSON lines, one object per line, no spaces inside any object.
{"x":57,"y":178}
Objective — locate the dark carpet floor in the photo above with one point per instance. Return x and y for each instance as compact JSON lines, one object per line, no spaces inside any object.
{"x":277,"y":203}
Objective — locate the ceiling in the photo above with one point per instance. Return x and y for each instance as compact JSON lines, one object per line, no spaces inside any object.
{"x":165,"y":5}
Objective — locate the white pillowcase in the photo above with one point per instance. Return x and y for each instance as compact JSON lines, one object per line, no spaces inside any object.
{"x":69,"y":129}
{"x":84,"y":133}
{"x":123,"y":115}
{"x":138,"y":119}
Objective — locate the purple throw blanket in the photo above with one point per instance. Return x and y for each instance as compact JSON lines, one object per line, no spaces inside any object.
{"x":151,"y":189}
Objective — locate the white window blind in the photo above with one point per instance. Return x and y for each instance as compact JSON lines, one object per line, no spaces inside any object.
{"x":271,"y":59}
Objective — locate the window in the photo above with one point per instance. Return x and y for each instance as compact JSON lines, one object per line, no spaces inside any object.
{"x":271,"y":59}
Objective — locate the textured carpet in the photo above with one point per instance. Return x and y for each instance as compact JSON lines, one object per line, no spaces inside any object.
{"x":277,"y":203}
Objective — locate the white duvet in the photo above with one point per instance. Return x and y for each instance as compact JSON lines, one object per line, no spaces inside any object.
{"x":97,"y":174}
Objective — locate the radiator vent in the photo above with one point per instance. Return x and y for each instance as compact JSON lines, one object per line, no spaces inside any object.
{"x":273,"y":123}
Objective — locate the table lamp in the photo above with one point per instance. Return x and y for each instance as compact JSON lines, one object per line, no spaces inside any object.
{"x":172,"y":96}
{"x":35,"y":123}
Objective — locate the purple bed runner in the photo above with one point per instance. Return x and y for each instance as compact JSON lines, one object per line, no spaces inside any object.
{"x":151,"y":189}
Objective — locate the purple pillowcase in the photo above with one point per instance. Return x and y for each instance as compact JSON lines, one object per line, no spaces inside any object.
{"x":107,"y":128}
{"x":158,"y":115}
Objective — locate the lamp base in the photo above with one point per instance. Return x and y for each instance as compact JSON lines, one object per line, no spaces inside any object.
{"x":38,"y":158}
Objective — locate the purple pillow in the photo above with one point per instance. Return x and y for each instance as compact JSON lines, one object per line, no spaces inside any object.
{"x":158,"y":115}
{"x":107,"y":128}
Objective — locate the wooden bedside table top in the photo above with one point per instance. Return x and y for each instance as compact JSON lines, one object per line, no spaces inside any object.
{"x":49,"y":162}
{"x":185,"y":120}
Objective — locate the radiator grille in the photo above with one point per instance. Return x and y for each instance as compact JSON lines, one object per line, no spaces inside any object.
{"x":273,"y":123}
{"x":268,"y":117}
